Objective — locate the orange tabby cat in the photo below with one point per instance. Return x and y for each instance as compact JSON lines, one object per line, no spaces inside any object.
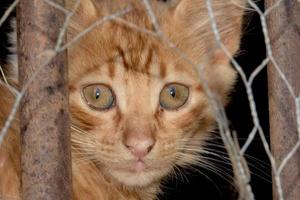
{"x":137,"y":108}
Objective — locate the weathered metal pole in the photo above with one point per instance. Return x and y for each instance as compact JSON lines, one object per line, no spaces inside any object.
{"x":284,"y":30}
{"x":44,"y":116}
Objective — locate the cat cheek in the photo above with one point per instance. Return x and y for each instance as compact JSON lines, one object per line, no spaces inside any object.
{"x":188,"y":117}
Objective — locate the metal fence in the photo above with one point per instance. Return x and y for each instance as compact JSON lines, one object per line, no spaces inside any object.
{"x":43,"y":70}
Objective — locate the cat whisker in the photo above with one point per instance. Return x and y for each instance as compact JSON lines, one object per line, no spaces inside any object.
{"x":211,"y":167}
{"x":227,"y":161}
{"x":261,"y":169}
{"x":196,"y":148}
{"x":177,"y":171}
{"x":206,"y":176}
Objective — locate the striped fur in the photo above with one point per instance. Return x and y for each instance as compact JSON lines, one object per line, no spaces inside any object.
{"x":137,"y":65}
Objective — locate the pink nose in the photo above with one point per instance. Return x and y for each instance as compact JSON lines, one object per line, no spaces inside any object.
{"x":140,"y":147}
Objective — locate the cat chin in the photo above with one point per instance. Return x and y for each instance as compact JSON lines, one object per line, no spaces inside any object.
{"x":138,"y":179}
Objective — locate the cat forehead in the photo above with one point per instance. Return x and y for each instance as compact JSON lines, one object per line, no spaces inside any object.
{"x":142,"y":65}
{"x":114,"y":48}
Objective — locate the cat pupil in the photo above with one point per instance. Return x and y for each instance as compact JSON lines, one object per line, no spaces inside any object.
{"x":97,"y":95}
{"x":172,"y":92}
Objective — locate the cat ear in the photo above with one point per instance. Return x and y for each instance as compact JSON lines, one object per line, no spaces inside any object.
{"x":192,"y":18}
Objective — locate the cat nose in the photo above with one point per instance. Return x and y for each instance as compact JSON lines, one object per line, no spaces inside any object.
{"x":139,"y":147}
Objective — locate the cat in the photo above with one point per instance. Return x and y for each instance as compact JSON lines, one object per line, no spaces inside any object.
{"x":138,"y":108}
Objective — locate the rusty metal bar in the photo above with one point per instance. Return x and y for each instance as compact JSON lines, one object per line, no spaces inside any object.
{"x":284,"y":30}
{"x":44,"y":114}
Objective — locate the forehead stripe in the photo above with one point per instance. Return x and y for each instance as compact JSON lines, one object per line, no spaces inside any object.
{"x":123,"y":57}
{"x":163,"y":70}
{"x":148,"y":60}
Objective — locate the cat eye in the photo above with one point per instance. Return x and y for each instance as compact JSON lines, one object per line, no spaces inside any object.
{"x":173,"y":96}
{"x":98,"y":96}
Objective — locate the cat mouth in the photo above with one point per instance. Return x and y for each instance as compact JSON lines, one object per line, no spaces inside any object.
{"x":137,"y":175}
{"x":138,"y":172}
{"x":136,"y":166}
{"x":139,"y":166}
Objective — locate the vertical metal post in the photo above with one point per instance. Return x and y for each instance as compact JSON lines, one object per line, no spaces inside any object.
{"x":44,"y":114}
{"x":284,"y":30}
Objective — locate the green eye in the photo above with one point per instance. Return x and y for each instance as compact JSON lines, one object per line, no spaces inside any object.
{"x":173,"y":96}
{"x":98,"y":96}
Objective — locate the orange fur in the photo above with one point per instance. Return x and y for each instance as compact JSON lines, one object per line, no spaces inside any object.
{"x":136,"y":66}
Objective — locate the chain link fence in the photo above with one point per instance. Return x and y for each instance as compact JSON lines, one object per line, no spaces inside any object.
{"x":280,"y":22}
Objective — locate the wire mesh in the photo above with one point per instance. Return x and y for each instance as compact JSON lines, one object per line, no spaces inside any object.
{"x":235,"y":152}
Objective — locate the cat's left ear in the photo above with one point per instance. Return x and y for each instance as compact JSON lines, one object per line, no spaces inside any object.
{"x":191,"y":18}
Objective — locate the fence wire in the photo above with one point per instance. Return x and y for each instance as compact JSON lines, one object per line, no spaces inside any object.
{"x":235,"y":152}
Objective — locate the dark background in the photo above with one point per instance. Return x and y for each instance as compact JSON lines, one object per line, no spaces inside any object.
{"x":211,"y":186}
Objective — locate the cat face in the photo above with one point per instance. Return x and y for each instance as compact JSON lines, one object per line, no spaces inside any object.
{"x":137,"y":109}
{"x":137,"y":123}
